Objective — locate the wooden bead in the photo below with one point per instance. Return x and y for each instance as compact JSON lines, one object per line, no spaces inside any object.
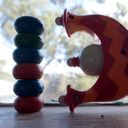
{"x":27,"y":71}
{"x":28,"y":41}
{"x":91,"y":60}
{"x":27,"y":55}
{"x":28,"y":24}
{"x":27,"y":88}
{"x":28,"y":104}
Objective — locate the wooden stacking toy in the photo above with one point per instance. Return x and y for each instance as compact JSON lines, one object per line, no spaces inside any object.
{"x":28,"y":71}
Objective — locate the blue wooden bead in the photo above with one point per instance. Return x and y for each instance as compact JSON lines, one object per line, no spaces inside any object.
{"x":27,"y":88}
{"x":28,"y":24}
{"x":27,"y":55}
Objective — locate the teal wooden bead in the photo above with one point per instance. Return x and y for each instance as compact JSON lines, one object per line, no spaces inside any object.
{"x":28,"y":41}
{"x":28,"y":24}
{"x":27,"y":88}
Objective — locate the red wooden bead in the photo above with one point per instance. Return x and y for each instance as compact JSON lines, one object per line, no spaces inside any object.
{"x":28,"y":104}
{"x":27,"y":71}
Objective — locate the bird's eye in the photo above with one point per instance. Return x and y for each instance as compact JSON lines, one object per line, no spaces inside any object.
{"x":76,"y":97}
{"x":123,"y":52}
{"x":71,"y":17}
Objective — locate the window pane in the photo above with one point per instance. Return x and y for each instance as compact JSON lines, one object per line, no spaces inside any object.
{"x":57,"y":46}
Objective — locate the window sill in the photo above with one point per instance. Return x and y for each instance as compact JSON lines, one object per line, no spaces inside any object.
{"x":60,"y":117}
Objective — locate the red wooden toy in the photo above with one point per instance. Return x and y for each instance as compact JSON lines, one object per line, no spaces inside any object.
{"x":112,"y":83}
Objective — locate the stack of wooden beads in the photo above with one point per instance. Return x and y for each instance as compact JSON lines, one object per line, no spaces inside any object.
{"x":28,"y":71}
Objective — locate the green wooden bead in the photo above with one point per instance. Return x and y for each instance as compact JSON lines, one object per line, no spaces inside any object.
{"x":28,"y":41}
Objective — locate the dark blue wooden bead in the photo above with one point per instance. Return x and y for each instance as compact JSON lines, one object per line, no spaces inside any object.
{"x":27,"y":88}
{"x":27,"y":55}
{"x":28,"y":24}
